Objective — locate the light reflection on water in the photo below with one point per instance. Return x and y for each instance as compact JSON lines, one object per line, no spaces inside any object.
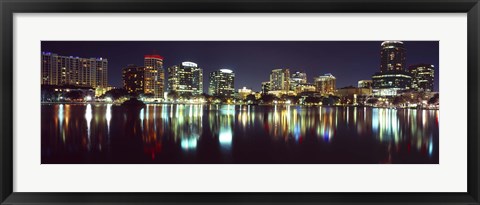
{"x":237,"y":134}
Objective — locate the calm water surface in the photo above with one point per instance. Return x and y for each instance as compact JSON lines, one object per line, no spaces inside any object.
{"x":172,"y":134}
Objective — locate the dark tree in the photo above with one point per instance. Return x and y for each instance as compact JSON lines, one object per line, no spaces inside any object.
{"x":116,"y":94}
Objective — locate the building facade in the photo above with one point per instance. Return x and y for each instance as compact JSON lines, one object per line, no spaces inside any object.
{"x":133,"y":79}
{"x":185,"y":78}
{"x":221,"y":83}
{"x":325,"y":84}
{"x":365,"y":83}
{"x":154,"y":75}
{"x":423,"y":76}
{"x":392,"y":56}
{"x":392,"y":78}
{"x":265,"y":87}
{"x":280,"y":80}
{"x":297,"y":78}
{"x":69,"y":70}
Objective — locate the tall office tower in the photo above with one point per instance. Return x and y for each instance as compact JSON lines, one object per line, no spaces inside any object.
{"x":392,"y":56}
{"x":325,"y":84}
{"x":422,"y":77}
{"x":133,"y":79}
{"x":154,"y":75}
{"x":280,"y":80}
{"x":69,"y":70}
{"x":222,"y":83}
{"x":185,"y":78}
{"x":392,"y":77}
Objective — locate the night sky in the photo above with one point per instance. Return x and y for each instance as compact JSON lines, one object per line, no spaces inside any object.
{"x":252,"y":61}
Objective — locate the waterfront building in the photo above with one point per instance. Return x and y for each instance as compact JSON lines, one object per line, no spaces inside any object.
{"x":185,"y":78}
{"x":222,"y":83}
{"x":69,"y":70}
{"x":305,"y":87}
{"x":133,"y":79}
{"x":392,"y":56}
{"x":392,"y":78}
{"x":297,"y":78}
{"x":353,"y":95}
{"x":154,"y":76}
{"x":266,"y":87}
{"x":365,"y":83}
{"x":280,"y":80}
{"x":422,"y":77}
{"x":325,"y":84}
{"x":244,"y":92}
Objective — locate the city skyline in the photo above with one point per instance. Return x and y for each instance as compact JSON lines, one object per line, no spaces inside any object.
{"x":360,"y":59}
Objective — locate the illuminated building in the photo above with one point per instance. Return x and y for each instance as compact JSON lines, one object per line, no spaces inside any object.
{"x":305,"y":87}
{"x":244,"y":92}
{"x":365,"y":83}
{"x":185,"y":78}
{"x":265,"y":87}
{"x":353,"y":95}
{"x":422,"y":77}
{"x":154,"y":76}
{"x":280,"y":80}
{"x":392,"y":56}
{"x":222,"y":83}
{"x":133,"y":79}
{"x":392,"y":77}
{"x":296,"y":79}
{"x":325,"y":84}
{"x":69,"y":70}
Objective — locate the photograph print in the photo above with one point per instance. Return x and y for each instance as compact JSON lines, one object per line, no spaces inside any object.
{"x":240,"y":102}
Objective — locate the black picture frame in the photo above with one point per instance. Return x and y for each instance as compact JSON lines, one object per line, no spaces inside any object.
{"x":10,"y":7}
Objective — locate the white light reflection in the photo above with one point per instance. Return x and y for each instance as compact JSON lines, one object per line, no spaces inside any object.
{"x":108,"y":117}
{"x":88,"y":117}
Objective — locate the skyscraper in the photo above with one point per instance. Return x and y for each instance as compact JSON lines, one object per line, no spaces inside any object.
{"x":222,"y":83}
{"x":69,"y":70}
{"x":133,"y":79}
{"x":280,"y":80}
{"x":185,"y":78}
{"x":325,"y":84}
{"x":154,"y":75}
{"x":422,"y":77}
{"x":392,"y":77}
{"x":392,"y":56}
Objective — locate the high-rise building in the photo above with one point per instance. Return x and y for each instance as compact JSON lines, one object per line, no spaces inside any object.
{"x":280,"y":80}
{"x":154,"y":75}
{"x":222,"y":83}
{"x":325,"y":84}
{"x":365,"y":83}
{"x":266,"y":87}
{"x":185,"y":78}
{"x":422,"y":77}
{"x":392,"y":77}
{"x":69,"y":70}
{"x":133,"y":79}
{"x":392,"y":56}
{"x":297,"y":78}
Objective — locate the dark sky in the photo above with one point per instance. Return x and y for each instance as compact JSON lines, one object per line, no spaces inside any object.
{"x":252,"y":61}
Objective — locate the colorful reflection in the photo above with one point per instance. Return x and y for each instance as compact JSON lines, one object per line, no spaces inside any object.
{"x":169,"y":133}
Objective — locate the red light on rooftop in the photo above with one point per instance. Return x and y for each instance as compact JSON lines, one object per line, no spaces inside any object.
{"x":154,"y":56}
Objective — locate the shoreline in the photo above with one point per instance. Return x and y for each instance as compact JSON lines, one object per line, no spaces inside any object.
{"x":163,"y":103}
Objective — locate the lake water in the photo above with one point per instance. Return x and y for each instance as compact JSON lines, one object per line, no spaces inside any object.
{"x":234,"y":134}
